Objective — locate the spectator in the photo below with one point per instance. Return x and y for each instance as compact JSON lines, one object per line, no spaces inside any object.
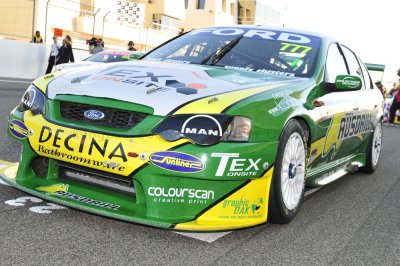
{"x":131,"y":46}
{"x":97,"y":47}
{"x":381,"y":88}
{"x":53,"y":55}
{"x":393,"y":89}
{"x":65,"y":54}
{"x":100,"y":41}
{"x":396,"y":102}
{"x":37,"y":38}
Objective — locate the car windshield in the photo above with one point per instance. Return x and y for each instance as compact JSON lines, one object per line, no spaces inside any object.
{"x":109,"y":57}
{"x":252,"y":49}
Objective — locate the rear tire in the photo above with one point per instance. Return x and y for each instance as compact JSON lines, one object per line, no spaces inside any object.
{"x":288,"y":181}
{"x":374,"y":150}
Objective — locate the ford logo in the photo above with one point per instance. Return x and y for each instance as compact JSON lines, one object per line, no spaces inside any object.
{"x":94,"y":114}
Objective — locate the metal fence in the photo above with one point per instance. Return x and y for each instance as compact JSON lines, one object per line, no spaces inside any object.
{"x":19,"y":20}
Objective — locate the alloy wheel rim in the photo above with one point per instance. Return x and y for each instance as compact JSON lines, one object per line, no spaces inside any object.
{"x":376,"y":144}
{"x":293,"y":171}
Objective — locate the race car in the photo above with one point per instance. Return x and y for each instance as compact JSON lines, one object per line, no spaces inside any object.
{"x":220,"y":128}
{"x":108,"y":56}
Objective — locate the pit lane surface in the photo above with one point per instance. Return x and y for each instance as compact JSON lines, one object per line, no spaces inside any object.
{"x":354,"y":221}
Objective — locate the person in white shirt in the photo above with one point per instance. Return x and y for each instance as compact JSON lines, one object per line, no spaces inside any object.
{"x":53,"y":55}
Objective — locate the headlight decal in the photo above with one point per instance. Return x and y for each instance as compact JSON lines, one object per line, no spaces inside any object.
{"x":202,"y":129}
{"x":33,"y":100}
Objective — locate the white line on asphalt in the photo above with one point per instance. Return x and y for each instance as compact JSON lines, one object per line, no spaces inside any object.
{"x":14,"y":81}
{"x":206,"y":237}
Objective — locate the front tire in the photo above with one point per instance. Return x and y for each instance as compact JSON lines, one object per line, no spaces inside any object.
{"x":288,"y":181}
{"x":374,"y":150}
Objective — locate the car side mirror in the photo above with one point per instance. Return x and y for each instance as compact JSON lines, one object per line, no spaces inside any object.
{"x":135,"y":56}
{"x":348,"y":83}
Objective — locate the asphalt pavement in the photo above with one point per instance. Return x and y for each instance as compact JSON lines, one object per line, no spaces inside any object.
{"x":354,"y":221}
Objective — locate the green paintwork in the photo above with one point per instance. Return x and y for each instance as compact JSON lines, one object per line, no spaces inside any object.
{"x":269,"y":111}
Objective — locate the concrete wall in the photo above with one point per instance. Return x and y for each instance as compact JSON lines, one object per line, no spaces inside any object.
{"x":27,"y":60}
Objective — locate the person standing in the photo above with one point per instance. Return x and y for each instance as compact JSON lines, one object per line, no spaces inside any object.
{"x":97,"y":47}
{"x":131,"y":46}
{"x":37,"y":38}
{"x":66,"y":54}
{"x":53,"y":55}
{"x":396,"y":102}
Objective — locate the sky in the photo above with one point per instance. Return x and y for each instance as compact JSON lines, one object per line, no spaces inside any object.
{"x":370,"y":28}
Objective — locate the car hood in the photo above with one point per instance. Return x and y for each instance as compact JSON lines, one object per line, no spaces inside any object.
{"x":69,"y":66}
{"x":161,"y":86}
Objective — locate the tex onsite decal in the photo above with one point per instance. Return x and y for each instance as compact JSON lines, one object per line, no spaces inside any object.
{"x":62,"y":191}
{"x":153,"y":82}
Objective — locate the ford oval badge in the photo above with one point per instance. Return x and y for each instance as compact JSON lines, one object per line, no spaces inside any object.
{"x":94,"y":114}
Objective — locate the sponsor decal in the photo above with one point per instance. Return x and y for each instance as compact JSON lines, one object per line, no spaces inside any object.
{"x":242,"y":208}
{"x":276,"y":72}
{"x":177,"y":162}
{"x":349,"y":82}
{"x":295,"y":48}
{"x":94,"y":114}
{"x":18,"y":129}
{"x":180,"y":195}
{"x":281,"y":94}
{"x":153,"y":82}
{"x":284,"y":105}
{"x":239,"y":68}
{"x":202,"y":125}
{"x":259,"y":34}
{"x":87,"y":143}
{"x":62,"y":191}
{"x":342,"y":126}
{"x":354,"y":124}
{"x":231,"y":165}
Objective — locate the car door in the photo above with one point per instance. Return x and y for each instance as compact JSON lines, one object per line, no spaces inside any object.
{"x":330,"y":113}
{"x":361,"y":109}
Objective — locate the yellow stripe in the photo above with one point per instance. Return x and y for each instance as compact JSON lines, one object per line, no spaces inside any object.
{"x":41,"y":83}
{"x":223,"y":101}
{"x":224,"y":215}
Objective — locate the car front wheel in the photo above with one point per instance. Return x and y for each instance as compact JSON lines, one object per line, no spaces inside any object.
{"x":288,"y":182}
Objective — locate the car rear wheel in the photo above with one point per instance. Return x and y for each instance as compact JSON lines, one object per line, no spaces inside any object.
{"x":288,"y":182}
{"x":374,"y":150}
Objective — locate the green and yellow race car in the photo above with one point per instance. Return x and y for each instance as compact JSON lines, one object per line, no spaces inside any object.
{"x":219,"y":128}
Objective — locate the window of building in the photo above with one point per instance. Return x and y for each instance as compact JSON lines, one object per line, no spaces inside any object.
{"x":224,"y":6}
{"x":201,"y":4}
{"x":232,"y":9}
{"x":186,"y":4}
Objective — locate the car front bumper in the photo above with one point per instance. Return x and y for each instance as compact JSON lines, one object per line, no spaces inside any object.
{"x":220,"y":187}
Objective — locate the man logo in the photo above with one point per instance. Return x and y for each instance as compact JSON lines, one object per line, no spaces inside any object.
{"x":200,"y":126}
{"x":94,"y":115}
